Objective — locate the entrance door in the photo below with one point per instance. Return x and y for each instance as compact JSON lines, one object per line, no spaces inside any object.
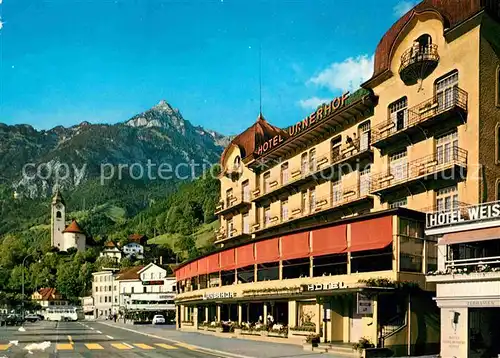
{"x":356,"y":325}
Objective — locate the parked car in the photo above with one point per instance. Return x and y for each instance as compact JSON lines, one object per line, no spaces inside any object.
{"x":32,"y":318}
{"x":158,"y":319}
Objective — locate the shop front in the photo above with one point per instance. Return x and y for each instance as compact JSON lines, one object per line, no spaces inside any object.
{"x":468,"y":279}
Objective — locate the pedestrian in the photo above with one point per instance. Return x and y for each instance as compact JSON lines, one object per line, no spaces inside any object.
{"x":114,"y":317}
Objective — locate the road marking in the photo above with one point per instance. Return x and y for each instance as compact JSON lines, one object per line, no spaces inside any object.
{"x":4,"y":347}
{"x":143,"y":346}
{"x":93,"y":346}
{"x":209,"y":351}
{"x":98,"y":332}
{"x":120,"y":346}
{"x":187,"y":346}
{"x":92,"y":328}
{"x":70,"y":340}
{"x":128,"y":345}
{"x":64,"y":347}
{"x":109,"y":337}
{"x":166,"y":346}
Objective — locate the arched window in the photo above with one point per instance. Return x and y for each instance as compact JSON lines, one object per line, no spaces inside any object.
{"x":58,"y":215}
{"x":424,"y":40}
{"x":237,"y":162}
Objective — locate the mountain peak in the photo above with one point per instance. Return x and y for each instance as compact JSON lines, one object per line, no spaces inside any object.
{"x":162,"y":115}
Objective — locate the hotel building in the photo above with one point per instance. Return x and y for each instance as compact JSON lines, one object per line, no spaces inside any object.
{"x":468,"y":279}
{"x":322,"y":223}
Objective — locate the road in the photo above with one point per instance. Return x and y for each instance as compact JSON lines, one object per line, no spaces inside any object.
{"x":84,"y":339}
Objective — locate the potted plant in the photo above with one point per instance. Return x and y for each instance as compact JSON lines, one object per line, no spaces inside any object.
{"x":236,"y":328}
{"x":362,"y":345}
{"x":263,"y":330}
{"x":312,"y":340}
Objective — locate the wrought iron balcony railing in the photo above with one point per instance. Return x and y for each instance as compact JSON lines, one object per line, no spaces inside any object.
{"x":232,"y":202}
{"x":418,"y":62}
{"x":433,"y":107}
{"x":422,"y":167}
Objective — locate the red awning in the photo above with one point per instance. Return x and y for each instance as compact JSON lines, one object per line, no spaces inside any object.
{"x":267,"y":251}
{"x":371,"y":234}
{"x":182,"y":274}
{"x":178,"y":275}
{"x":329,"y":240}
{"x":213,"y":263}
{"x":193,"y":269}
{"x":295,"y":246}
{"x":203,"y":266}
{"x":245,"y":255}
{"x":470,"y":236}
{"x":227,"y":259}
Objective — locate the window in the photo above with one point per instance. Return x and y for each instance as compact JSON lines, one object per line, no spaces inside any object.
{"x":284,"y":174}
{"x":237,"y":162}
{"x":335,"y":145}
{"x":312,"y":160}
{"x":296,"y":268}
{"x":144,"y":289}
{"x":303,"y":201}
{"x":230,"y":227}
{"x":447,"y":91}
{"x":268,"y":271}
{"x":446,"y":147}
{"x":364,"y":136}
{"x":227,"y":277}
{"x":447,"y":198}
{"x":364,"y":181}
{"x":312,"y":200}
{"x":267,"y":215}
{"x":267,"y":180}
{"x":398,"y":203}
{"x":303,"y":163}
{"x":58,"y":215}
{"x":109,"y":288}
{"x":398,"y":112}
{"x":246,"y":191}
{"x":411,"y":244}
{"x":152,"y":275}
{"x":398,"y":165}
{"x":330,"y":265}
{"x":246,"y":223}
{"x":229,"y":195}
{"x":336,"y":191}
{"x":284,"y":210}
{"x":246,"y":274}
{"x":132,"y":290}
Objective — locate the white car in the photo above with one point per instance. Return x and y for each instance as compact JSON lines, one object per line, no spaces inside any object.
{"x":158,"y":319}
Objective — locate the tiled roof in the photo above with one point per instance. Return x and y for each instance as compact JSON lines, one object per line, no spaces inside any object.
{"x":110,"y":244}
{"x":248,"y":141}
{"x":49,"y":294}
{"x":131,"y":273}
{"x":74,"y":228}
{"x":137,"y":237}
{"x":453,"y":13}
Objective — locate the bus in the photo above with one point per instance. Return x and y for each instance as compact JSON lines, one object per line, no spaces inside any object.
{"x":63,"y":313}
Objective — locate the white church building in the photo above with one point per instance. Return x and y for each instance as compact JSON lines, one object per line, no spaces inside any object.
{"x":64,"y":237}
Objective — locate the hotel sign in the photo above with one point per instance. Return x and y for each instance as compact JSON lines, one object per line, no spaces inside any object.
{"x":323,"y":286}
{"x":157,"y":282}
{"x":323,"y":111}
{"x":481,"y":212}
{"x":218,"y":295}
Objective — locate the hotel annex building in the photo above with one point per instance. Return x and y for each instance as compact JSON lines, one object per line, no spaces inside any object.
{"x":323,"y":221}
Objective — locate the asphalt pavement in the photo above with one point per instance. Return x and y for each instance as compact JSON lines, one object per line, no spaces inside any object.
{"x":90,"y":339}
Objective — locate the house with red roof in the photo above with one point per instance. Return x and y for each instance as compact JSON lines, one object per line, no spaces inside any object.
{"x":47,"y":297}
{"x":63,"y":236}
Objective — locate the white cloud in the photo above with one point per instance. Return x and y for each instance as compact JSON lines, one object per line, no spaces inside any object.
{"x":312,"y":103}
{"x":345,"y":75}
{"x":403,"y":7}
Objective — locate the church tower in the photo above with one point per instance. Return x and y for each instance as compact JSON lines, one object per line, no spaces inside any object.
{"x":58,"y":221}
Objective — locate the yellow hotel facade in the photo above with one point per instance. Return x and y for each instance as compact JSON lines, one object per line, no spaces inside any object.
{"x":322,"y":223}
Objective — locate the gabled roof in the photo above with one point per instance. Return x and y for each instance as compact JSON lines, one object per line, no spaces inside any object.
{"x":255,"y":135}
{"x":49,"y":294}
{"x":74,"y":228}
{"x":138,"y":238}
{"x":110,"y":244}
{"x":131,"y":273}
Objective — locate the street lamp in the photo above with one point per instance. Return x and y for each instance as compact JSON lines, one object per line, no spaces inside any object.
{"x":22,"y":287}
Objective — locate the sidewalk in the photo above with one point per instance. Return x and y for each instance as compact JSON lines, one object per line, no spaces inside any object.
{"x":238,"y":347}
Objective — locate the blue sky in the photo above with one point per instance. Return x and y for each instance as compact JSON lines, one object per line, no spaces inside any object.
{"x":67,"y":61}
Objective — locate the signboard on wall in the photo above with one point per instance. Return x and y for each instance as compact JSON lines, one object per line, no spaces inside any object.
{"x":157,"y":282}
{"x":364,"y":304}
{"x":465,"y":215}
{"x":218,"y":295}
{"x":323,"y":286}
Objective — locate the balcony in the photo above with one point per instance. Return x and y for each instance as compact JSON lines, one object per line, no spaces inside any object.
{"x":341,"y":201}
{"x":233,"y":204}
{"x":438,"y":112}
{"x":418,"y":63}
{"x":430,"y":172}
{"x":326,"y":168}
{"x":235,"y":235}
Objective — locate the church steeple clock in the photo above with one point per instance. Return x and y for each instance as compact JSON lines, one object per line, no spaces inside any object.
{"x":58,"y":220}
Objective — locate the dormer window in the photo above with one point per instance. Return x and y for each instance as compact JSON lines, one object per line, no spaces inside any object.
{"x":237,"y":163}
